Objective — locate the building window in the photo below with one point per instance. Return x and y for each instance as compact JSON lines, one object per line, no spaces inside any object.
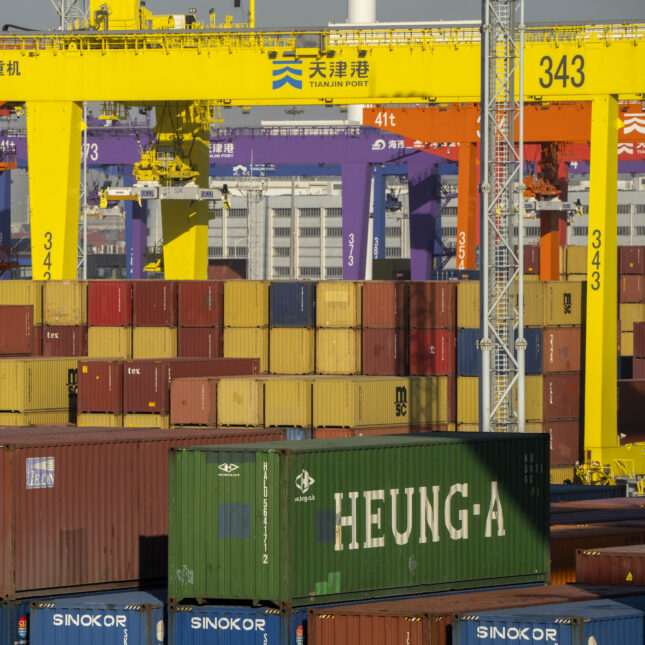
{"x":237,"y":212}
{"x":532,"y":231}
{"x":623,"y":230}
{"x":449,"y":231}
{"x":334,"y":272}
{"x":393,"y":231}
{"x":580,"y":231}
{"x":310,"y":212}
{"x":334,"y":212}
{"x":282,"y":231}
{"x":334,"y":231}
{"x":237,"y":251}
{"x":215,"y":251}
{"x":282,"y":212}
{"x":309,"y":272}
{"x":282,"y":251}
{"x":624,"y":209}
{"x":310,"y":232}
{"x":585,"y":209}
{"x":640,"y":208}
{"x":449,"y":210}
{"x":640,"y":230}
{"x":217,"y":212}
{"x":281,"y":272}
{"x":392,"y":252}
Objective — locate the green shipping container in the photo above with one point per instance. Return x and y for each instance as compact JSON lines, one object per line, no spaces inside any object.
{"x":301,"y":523}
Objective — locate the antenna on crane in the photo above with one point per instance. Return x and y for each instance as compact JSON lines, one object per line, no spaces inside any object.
{"x":71,"y":12}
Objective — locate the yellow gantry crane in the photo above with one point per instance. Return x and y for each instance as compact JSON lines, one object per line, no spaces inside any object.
{"x":126,"y":55}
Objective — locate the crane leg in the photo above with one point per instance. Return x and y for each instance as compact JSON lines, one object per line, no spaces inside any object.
{"x":54,"y":152}
{"x":467,"y":202}
{"x":356,"y":179}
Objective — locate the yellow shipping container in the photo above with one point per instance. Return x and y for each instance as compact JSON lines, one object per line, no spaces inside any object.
{"x":576,"y":277}
{"x":292,"y":350}
{"x":36,"y":384}
{"x":339,"y":303}
{"x":37,"y":418}
{"x":338,"y":351}
{"x":432,"y":400}
{"x":288,"y":402}
{"x":23,"y":292}
{"x":249,"y":342}
{"x":99,"y":420}
{"x":109,"y":342}
{"x":563,"y":303}
{"x":630,"y":313}
{"x":534,"y":427}
{"x":468,"y":304}
{"x":152,"y":420}
{"x":468,"y":427}
{"x":154,"y":342}
{"x":65,"y":302}
{"x":240,"y":402}
{"x":562,"y":253}
{"x":564,"y":475}
{"x":576,"y":258}
{"x":246,"y":303}
{"x":467,"y":399}
{"x":627,"y":343}
{"x":533,"y":304}
{"x":531,"y":277}
{"x":533,"y":386}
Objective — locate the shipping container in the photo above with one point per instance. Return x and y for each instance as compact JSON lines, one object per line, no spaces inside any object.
{"x":563,"y":396}
{"x":17,"y":324}
{"x":563,"y":349}
{"x":638,"y":369}
{"x":193,"y":401}
{"x":65,"y":302}
{"x":119,"y":618}
{"x":248,"y":341}
{"x":631,"y":313}
{"x":428,"y":620}
{"x":109,"y":342}
{"x":468,"y":304}
{"x":386,"y":305}
{"x":379,"y":431}
{"x":595,"y":621}
{"x":99,"y":420}
{"x":563,"y":474}
{"x":23,"y":292}
{"x":533,"y":304}
{"x":532,"y":259}
{"x":246,"y":304}
{"x":627,"y":343}
{"x":200,"y":303}
{"x":288,"y":402}
{"x":292,"y":350}
{"x":100,"y":386}
{"x":639,"y":339}
{"x":109,"y":303}
{"x":338,"y":351}
{"x":14,"y":621}
{"x":154,"y":303}
{"x":631,"y":402}
{"x":576,"y":259}
{"x":203,"y":342}
{"x":309,"y":521}
{"x":578,"y":492}
{"x":564,"y":303}
{"x":433,"y":305}
{"x":292,"y":304}
{"x":87,"y":509}
{"x":146,"y":383}
{"x":631,"y":259}
{"x":385,"y":352}
{"x":631,"y":288}
{"x":154,"y":342}
{"x":338,"y":304}
{"x":623,"y":565}
{"x":65,"y":341}
{"x":146,"y":420}
{"x":240,"y":402}
{"x":625,"y":367}
{"x":432,"y":351}
{"x":566,"y":441}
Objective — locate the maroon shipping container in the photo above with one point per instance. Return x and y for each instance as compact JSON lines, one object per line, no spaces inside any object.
{"x":631,"y":288}
{"x":87,"y":509}
{"x":631,"y":259}
{"x":385,"y":352}
{"x":639,"y":341}
{"x":583,"y":512}
{"x":638,"y":368}
{"x":154,"y":303}
{"x":432,"y":352}
{"x":532,"y":259}
{"x":17,"y":325}
{"x":343,"y":433}
{"x":200,"y":303}
{"x":563,"y":396}
{"x":428,"y":620}
{"x":619,"y":565}
{"x":109,"y":303}
{"x":100,"y":386}
{"x":65,"y":341}
{"x":385,"y":304}
{"x":227,"y":269}
{"x":193,"y":401}
{"x":566,"y":441}
{"x":433,"y":305}
{"x":562,"y":349}
{"x":146,"y":382}
{"x":204,"y":342}
{"x":631,"y":401}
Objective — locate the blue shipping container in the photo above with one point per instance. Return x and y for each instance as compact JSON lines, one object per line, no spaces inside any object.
{"x":597,"y":622}
{"x":292,"y":304}
{"x":123,"y":617}
{"x":299,"y":434}
{"x":14,"y":620}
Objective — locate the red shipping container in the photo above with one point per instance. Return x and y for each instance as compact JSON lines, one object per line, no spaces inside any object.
{"x":631,"y":401}
{"x":385,"y":304}
{"x":639,"y":341}
{"x":632,"y":288}
{"x":200,"y":303}
{"x":343,"y":433}
{"x":566,"y":441}
{"x":562,"y":349}
{"x":193,"y":401}
{"x":87,"y":509}
{"x":563,"y":396}
{"x":433,"y":305}
{"x":154,"y":303}
{"x":532,"y":259}
{"x":100,"y":386}
{"x":631,"y":259}
{"x":65,"y":341}
{"x":204,"y":342}
{"x":109,"y":303}
{"x":227,"y":269}
{"x":385,"y":352}
{"x":638,"y":368}
{"x":17,"y":325}
{"x":146,"y":382}
{"x":619,"y":565}
{"x":432,"y":352}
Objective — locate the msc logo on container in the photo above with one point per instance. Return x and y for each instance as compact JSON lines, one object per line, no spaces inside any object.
{"x":401,"y":401}
{"x":228,"y":470}
{"x":287,"y":72}
{"x":566,"y":302}
{"x":40,"y":472}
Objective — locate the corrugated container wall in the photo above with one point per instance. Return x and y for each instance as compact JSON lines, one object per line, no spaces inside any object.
{"x":154,"y":342}
{"x":385,"y":304}
{"x":65,"y":302}
{"x":291,"y":517}
{"x":338,"y":351}
{"x":193,"y":401}
{"x":241,"y":342}
{"x":338,"y":304}
{"x":288,"y":402}
{"x":563,"y":349}
{"x":433,"y":305}
{"x":432,"y":351}
{"x":632,"y":259}
{"x":576,"y":259}
{"x":200,"y":303}
{"x":468,"y":304}
{"x":246,"y":304}
{"x":532,"y":259}
{"x":17,"y":325}
{"x":566,"y":441}
{"x":292,"y":350}
{"x":534,"y":304}
{"x":385,"y":351}
{"x":23,"y":292}
{"x":240,"y":402}
{"x":205,"y":342}
{"x":632,"y":288}
{"x":109,"y":342}
{"x":639,"y":340}
{"x":109,"y":303}
{"x":154,"y":303}
{"x":65,"y":341}
{"x":292,"y":304}
{"x":564,"y":303}
{"x":623,"y":565}
{"x":100,"y":386}
{"x":563,"y":396}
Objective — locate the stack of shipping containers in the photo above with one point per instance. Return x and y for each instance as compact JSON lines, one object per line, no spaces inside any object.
{"x":65,"y":318}
{"x":23,"y":322}
{"x":200,"y":306}
{"x":154,"y":314}
{"x":468,"y":356}
{"x":109,"y":316}
{"x":631,"y":290}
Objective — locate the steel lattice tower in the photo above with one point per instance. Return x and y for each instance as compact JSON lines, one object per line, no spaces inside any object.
{"x":69,"y":11}
{"x":502,"y":344}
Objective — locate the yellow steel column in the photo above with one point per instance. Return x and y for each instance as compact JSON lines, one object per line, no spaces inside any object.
{"x":601,"y":370}
{"x":54,"y":158}
{"x":185,"y":223}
